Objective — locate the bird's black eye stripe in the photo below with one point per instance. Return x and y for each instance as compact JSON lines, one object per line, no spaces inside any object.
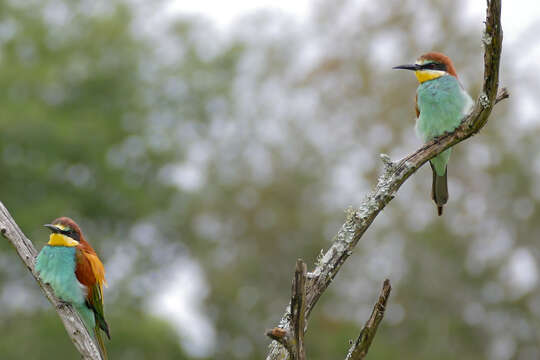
{"x":71,"y":233}
{"x":434,"y":66}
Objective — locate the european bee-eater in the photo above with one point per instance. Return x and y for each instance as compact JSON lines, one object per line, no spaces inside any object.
{"x":441,"y":104}
{"x":72,"y":268}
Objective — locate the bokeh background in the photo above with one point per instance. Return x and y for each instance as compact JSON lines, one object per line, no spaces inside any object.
{"x":204,"y":146}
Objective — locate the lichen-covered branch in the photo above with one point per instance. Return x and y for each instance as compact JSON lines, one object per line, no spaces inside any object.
{"x":396,"y":173}
{"x":359,"y":349}
{"x":284,"y":337}
{"x":27,"y":252}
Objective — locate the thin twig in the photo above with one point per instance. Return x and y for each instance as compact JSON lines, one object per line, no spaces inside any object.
{"x":503,"y":94}
{"x":359,"y":349}
{"x":25,"y":249}
{"x":395,"y":174}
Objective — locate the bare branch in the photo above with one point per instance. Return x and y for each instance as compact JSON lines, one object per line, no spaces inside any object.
{"x":395,"y":174}
{"x":74,"y":326}
{"x":359,"y":349}
{"x":298,"y":300}
{"x":293,"y":340}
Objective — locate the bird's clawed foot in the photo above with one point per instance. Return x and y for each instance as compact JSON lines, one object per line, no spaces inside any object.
{"x":62,"y":304}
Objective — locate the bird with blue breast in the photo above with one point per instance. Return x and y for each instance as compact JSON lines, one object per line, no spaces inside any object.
{"x":441,"y":105}
{"x":76,"y":274}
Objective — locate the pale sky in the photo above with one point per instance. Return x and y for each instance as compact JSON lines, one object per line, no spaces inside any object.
{"x":225,"y":12}
{"x":517,"y":14}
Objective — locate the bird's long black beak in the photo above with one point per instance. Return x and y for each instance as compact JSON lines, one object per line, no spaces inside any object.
{"x":408,"y":67}
{"x":53,"y":228}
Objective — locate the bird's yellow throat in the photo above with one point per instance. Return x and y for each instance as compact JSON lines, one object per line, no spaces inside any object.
{"x":426,"y":75}
{"x":57,"y":239}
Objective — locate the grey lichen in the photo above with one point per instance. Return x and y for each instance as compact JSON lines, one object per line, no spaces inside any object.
{"x":486,"y":39}
{"x":279,"y":351}
{"x":409,"y":166}
{"x":384,"y":190}
{"x":484,"y":101}
{"x":350,"y":214}
{"x":389,"y":165}
{"x":319,"y":258}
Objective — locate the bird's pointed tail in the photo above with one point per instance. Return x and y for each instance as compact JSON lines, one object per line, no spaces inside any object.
{"x":101,"y":344}
{"x":439,"y":190}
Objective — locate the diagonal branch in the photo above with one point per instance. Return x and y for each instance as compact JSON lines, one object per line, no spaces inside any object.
{"x":25,"y":249}
{"x":359,"y":349}
{"x":395,"y":174}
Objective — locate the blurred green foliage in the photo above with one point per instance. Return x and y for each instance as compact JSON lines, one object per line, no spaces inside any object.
{"x":239,"y":149}
{"x":73,"y":116}
{"x":136,"y":336}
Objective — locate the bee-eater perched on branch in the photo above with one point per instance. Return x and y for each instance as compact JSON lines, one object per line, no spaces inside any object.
{"x":441,"y":104}
{"x":72,"y":268}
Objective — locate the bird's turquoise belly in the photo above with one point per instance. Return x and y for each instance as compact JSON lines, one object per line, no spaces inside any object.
{"x":442,"y":104}
{"x":56,"y":266}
